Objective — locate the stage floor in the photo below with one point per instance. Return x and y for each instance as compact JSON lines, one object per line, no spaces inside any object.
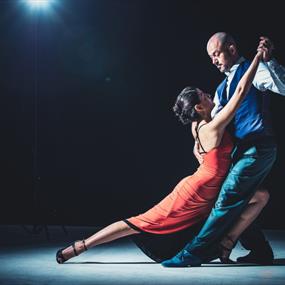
{"x":27,"y":258}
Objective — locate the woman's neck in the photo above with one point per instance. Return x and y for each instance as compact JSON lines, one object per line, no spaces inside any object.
{"x":205,"y":119}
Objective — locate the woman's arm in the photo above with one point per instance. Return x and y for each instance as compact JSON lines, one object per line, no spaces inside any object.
{"x":223,"y":118}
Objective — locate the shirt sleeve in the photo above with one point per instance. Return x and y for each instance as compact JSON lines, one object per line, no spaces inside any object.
{"x":270,"y":76}
{"x":218,"y":107}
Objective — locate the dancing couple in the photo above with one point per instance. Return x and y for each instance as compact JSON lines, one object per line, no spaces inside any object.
{"x":209,"y":211}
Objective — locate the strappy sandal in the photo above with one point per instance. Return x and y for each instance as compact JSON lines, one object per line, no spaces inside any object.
{"x":226,"y":251}
{"x":59,"y":255}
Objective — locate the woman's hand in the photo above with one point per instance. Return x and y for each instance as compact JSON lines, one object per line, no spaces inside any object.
{"x":199,"y":156}
{"x":259,"y":55}
{"x":265,"y":47}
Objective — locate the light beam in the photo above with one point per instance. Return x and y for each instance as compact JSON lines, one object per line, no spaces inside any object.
{"x":39,"y":4}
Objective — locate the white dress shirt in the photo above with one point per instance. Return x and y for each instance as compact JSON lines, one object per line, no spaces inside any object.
{"x":269,"y":76}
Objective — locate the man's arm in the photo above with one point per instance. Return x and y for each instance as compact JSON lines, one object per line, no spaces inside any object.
{"x":270,"y":74}
{"x":278,"y":74}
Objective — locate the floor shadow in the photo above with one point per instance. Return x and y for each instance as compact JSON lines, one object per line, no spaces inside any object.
{"x":123,"y":262}
{"x":276,"y":262}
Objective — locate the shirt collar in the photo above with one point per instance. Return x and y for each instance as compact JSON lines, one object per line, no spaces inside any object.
{"x":235,"y":66}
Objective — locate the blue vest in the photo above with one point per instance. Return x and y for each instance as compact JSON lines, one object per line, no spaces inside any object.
{"x":252,"y":119}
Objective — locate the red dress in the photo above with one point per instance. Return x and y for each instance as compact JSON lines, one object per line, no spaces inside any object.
{"x":192,"y":199}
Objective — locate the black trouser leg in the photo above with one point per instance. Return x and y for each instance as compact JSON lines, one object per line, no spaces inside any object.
{"x":253,"y":238}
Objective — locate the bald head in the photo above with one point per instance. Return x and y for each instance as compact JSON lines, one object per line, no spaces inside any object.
{"x":221,"y":38}
{"x":222,"y":50}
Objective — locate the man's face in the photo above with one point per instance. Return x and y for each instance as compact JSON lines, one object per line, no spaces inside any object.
{"x":221,"y":56}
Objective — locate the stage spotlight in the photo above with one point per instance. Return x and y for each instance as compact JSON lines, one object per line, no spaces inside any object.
{"x":38,"y":3}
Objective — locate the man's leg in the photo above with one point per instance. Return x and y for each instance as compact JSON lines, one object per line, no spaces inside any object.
{"x":251,"y":167}
{"x":248,"y":216}
{"x":252,"y":236}
{"x":253,"y":239}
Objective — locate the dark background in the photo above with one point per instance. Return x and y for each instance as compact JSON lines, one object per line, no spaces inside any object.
{"x":88,"y":135}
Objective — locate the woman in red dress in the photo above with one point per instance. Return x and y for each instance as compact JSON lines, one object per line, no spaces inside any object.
{"x":172,"y":221}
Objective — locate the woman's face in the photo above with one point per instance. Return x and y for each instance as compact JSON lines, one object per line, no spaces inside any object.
{"x":206,"y":101}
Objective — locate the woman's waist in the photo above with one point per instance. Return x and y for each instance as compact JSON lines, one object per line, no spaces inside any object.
{"x":206,"y":179}
{"x":219,"y":152}
{"x":209,"y":169}
{"x":217,"y":161}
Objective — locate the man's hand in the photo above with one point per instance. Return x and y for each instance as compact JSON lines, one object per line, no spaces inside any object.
{"x":266,"y":46}
{"x":197,"y":154}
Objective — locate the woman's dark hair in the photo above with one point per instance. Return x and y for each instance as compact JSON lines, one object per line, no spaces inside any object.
{"x":184,"y":105}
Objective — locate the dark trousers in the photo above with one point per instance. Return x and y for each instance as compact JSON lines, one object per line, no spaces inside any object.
{"x":251,"y":164}
{"x":253,"y":238}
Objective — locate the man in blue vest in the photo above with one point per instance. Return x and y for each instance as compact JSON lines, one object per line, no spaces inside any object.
{"x":253,"y":156}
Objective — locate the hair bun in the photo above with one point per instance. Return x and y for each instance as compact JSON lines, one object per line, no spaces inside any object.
{"x":184,"y":107}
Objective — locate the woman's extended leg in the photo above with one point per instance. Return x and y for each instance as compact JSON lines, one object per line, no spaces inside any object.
{"x":109,"y":233}
{"x":255,"y":206}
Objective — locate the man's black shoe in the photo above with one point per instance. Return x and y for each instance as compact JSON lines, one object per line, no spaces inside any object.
{"x":262,"y":256}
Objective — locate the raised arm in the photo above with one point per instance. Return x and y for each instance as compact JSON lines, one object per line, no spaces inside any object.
{"x":270,"y":74}
{"x":276,"y":78}
{"x":223,"y":118}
